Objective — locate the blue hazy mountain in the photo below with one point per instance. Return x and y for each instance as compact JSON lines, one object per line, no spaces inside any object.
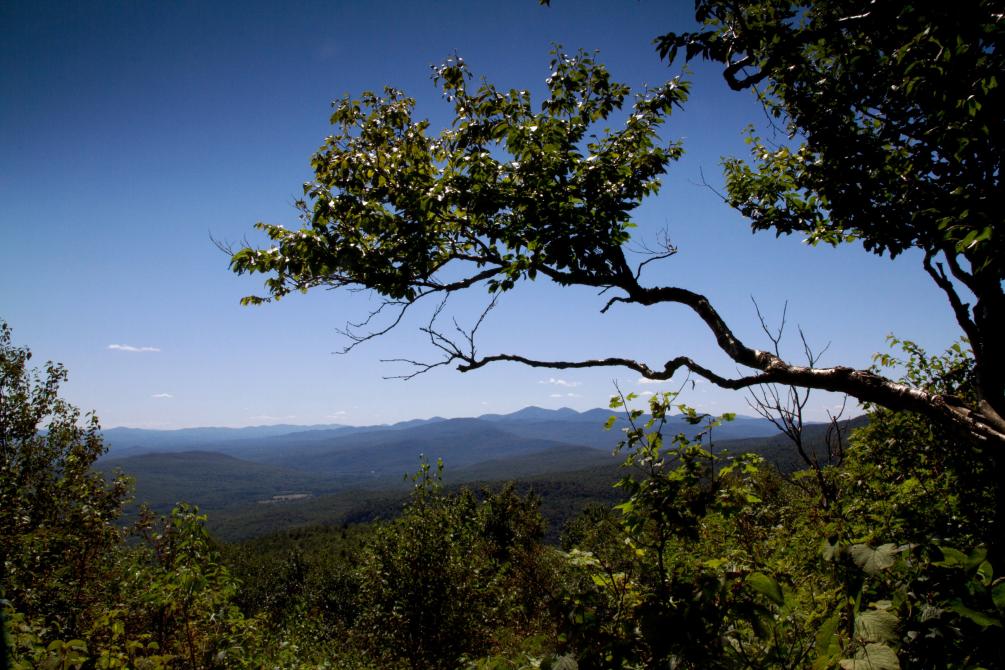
{"x":221,"y":468}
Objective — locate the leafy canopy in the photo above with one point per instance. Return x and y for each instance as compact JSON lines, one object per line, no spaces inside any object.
{"x":516,"y":189}
{"x":892,"y":122}
{"x":897,"y":109}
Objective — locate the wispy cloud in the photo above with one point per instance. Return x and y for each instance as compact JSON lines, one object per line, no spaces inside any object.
{"x":644,"y":380}
{"x":565,"y":395}
{"x":560,"y":382}
{"x":646,"y":393}
{"x":131,"y":348}
{"x":162,"y":395}
{"x":336,"y":415}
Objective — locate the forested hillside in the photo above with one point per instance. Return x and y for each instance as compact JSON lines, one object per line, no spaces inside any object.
{"x":253,"y":480}
{"x":883,"y":551}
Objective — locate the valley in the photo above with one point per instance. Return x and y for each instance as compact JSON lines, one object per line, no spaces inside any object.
{"x":258,"y":480}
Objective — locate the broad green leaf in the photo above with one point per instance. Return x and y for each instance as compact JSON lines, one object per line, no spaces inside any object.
{"x":976,"y":557}
{"x":873,"y":561}
{"x":825,"y":636}
{"x":998,"y":595}
{"x":876,"y":626}
{"x":766,"y":586}
{"x":951,"y":558}
{"x":872,"y":657}
{"x":980,"y":618}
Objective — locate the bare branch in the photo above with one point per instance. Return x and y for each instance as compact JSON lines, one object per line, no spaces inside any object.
{"x":451,"y":350}
{"x":703,"y":182}
{"x":667,"y":249}
{"x":775,"y":338}
{"x":356,"y":339}
{"x":432,"y":287}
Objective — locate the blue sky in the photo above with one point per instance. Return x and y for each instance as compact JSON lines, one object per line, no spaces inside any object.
{"x":133,"y":132}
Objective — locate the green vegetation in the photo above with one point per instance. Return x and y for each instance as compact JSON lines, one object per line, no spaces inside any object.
{"x":707,"y":559}
{"x":886,"y":554}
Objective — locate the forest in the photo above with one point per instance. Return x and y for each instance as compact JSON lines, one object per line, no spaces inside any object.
{"x":882,"y":548}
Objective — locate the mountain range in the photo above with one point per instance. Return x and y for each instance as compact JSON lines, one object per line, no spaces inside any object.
{"x":223,"y":469}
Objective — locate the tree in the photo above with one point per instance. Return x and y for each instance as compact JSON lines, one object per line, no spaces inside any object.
{"x":75,"y":593}
{"x":57,"y":515}
{"x":442,"y":580}
{"x":508,"y":193}
{"x":893,"y":135}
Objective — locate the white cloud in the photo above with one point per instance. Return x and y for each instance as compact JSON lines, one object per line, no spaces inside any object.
{"x":565,"y":395}
{"x":644,"y":380}
{"x":646,"y":393}
{"x":129,"y":347}
{"x":337,"y":415}
{"x":559,"y":382}
{"x":162,"y":395}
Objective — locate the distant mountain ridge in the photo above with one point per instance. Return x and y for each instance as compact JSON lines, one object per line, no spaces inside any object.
{"x":134,"y":441}
{"x":226,"y":468}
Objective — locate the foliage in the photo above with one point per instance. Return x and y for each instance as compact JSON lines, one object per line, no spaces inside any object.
{"x":897,"y":109}
{"x":893,"y":128}
{"x":76,"y":593}
{"x":665,"y":583}
{"x":56,"y":514}
{"x":179,"y":595}
{"x":715,"y":562}
{"x":711,"y":560}
{"x":439,"y":580}
{"x":532,"y":191}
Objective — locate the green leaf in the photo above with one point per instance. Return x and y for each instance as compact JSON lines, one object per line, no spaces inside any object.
{"x":976,"y":557}
{"x":980,"y":618}
{"x":825,"y":641}
{"x":876,"y":626}
{"x":951,"y":558}
{"x":986,"y":572}
{"x":766,"y":586}
{"x":998,"y":595}
{"x":873,"y":561}
{"x":872,"y":657}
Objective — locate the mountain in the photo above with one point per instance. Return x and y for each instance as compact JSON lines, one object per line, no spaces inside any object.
{"x":229,"y":469}
{"x":258,"y":442}
{"x":140,"y":440}
{"x":214,"y":481}
{"x":534,"y":413}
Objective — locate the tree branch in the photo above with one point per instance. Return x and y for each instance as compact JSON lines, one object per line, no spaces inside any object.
{"x":960,"y":309}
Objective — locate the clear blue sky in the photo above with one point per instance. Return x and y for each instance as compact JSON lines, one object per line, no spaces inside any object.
{"x":133,"y":131}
